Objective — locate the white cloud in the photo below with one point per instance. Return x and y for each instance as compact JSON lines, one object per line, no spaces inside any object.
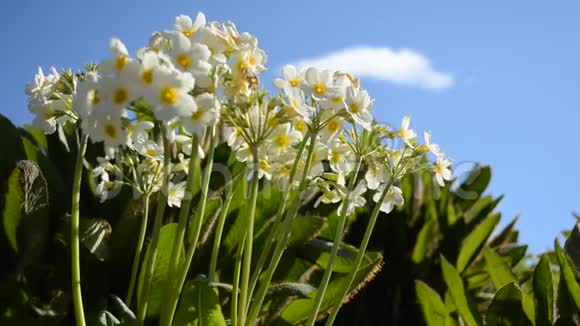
{"x":403,"y":66}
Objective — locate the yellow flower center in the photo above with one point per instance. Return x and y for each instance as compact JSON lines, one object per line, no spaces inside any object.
{"x":335,"y":156}
{"x":121,"y":62}
{"x":151,"y":152}
{"x":354,"y":108}
{"x":264,"y":164}
{"x":319,"y":89}
{"x":333,"y":126}
{"x":147,"y":77}
{"x":93,"y":98}
{"x":183,"y":60}
{"x":120,"y":95}
{"x":110,"y":130}
{"x":300,"y":126}
{"x":281,"y":141}
{"x":168,"y":95}
{"x":188,"y":33}
{"x":294,"y":82}
{"x":197,"y":115}
{"x":337,"y":100}
{"x":252,"y":60}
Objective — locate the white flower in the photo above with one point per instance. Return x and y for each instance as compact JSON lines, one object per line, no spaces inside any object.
{"x":357,"y":105}
{"x":355,"y":198}
{"x":320,"y":84}
{"x":42,"y":86}
{"x":87,"y":97}
{"x":442,"y":171}
{"x":375,"y":175}
{"x":393,"y":198}
{"x":205,"y":115}
{"x":433,"y":148}
{"x":405,"y":133}
{"x":187,"y":27}
{"x":151,"y":149}
{"x":106,"y":128}
{"x":138,"y":132}
{"x":113,"y":95}
{"x":175,"y":194}
{"x":282,"y":138}
{"x":341,"y":158}
{"x":120,"y":63}
{"x":329,"y":196}
{"x":294,"y":98}
{"x":334,"y":125}
{"x":290,"y":78}
{"x":169,"y":94}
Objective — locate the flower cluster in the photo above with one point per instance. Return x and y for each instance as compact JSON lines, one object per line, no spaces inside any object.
{"x":317,"y":131}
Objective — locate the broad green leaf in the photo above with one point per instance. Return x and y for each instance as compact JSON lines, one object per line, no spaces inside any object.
{"x":458,"y":294}
{"x":305,"y":228}
{"x":12,"y":214}
{"x":434,"y":310}
{"x":568,"y":275}
{"x":572,"y":245}
{"x":473,"y":243}
{"x":473,"y":186}
{"x":424,"y":239}
{"x":37,"y":136}
{"x":481,"y":209}
{"x":506,"y":235}
{"x":199,"y":305}
{"x":299,"y":310}
{"x":12,"y":149}
{"x":160,"y":274}
{"x":291,"y":289}
{"x":499,"y":272}
{"x":506,"y":308}
{"x":318,"y":251}
{"x":26,"y":213}
{"x":544,"y":292}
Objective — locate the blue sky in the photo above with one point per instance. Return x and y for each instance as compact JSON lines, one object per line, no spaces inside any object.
{"x":514,"y":101}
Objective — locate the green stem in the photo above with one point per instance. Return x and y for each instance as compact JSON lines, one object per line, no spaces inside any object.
{"x":197,"y":224}
{"x":277,"y":220}
{"x":283,"y":234}
{"x":74,"y":234}
{"x":361,"y":253}
{"x":184,"y":213}
{"x":334,"y":251}
{"x":159,"y":213}
{"x":220,"y":230}
{"x":236,"y":283}
{"x":138,"y":251}
{"x":247,"y":254}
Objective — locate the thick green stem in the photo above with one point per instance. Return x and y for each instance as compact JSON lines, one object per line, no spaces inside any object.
{"x":247,"y":255}
{"x":283,"y":234}
{"x":334,"y":251}
{"x":74,"y":234}
{"x":138,"y":251}
{"x":197,"y":224}
{"x":361,"y":253}
{"x":184,"y":213}
{"x":277,"y":220}
{"x":159,"y":213}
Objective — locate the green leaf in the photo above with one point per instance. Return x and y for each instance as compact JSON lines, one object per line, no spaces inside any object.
{"x":506,"y":308}
{"x":572,"y":245}
{"x":506,"y":235}
{"x":473,"y":243}
{"x":434,"y":310}
{"x":544,"y":292}
{"x":458,"y":294}
{"x":12,"y":213}
{"x":473,"y":186}
{"x":291,"y":289}
{"x":318,"y":251}
{"x":424,"y":239}
{"x":568,"y":275}
{"x":199,"y":305}
{"x":299,"y":310}
{"x":160,"y":273}
{"x":26,"y":213}
{"x":500,"y":273}
{"x":12,"y":149}
{"x":305,"y":228}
